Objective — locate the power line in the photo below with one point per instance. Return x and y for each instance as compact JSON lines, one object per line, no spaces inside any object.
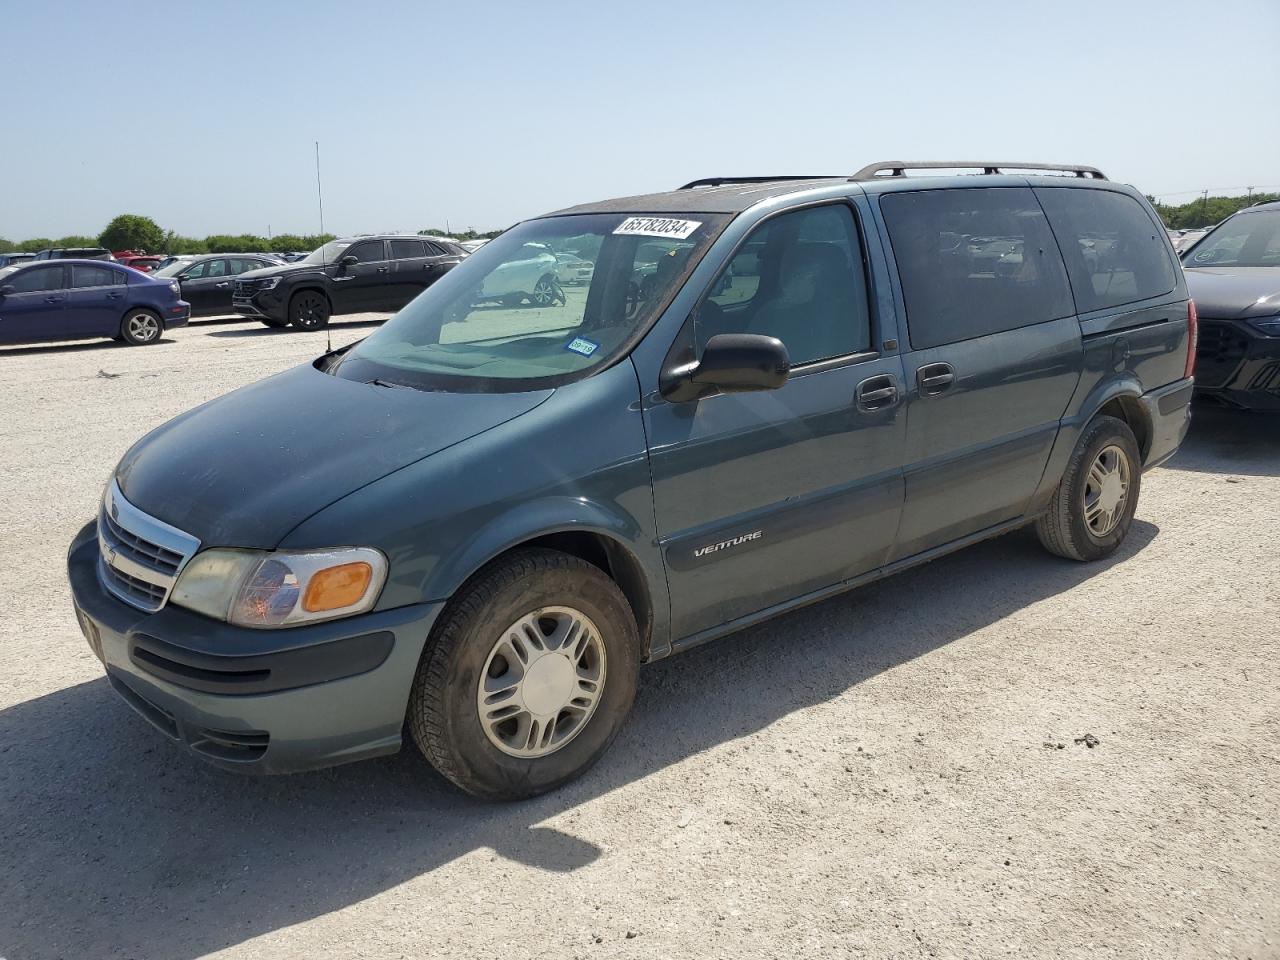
{"x":1214,"y":190}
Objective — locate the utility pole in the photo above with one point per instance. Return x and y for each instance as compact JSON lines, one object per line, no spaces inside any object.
{"x":1204,"y":206}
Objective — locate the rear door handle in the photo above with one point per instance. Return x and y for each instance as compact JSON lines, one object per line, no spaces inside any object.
{"x":876,"y":393}
{"x":224,"y":283}
{"x":54,"y":299}
{"x":935,"y":378}
{"x":383,"y":269}
{"x":114,"y":296}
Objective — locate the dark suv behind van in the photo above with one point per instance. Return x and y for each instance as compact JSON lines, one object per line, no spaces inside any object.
{"x":477,"y":523}
{"x":359,"y":275}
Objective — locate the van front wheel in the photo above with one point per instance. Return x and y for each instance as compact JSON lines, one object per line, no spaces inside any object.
{"x":1092,"y":509}
{"x":527,"y":677}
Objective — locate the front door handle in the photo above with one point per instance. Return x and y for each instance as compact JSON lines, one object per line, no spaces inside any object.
{"x":935,"y":378}
{"x":54,"y":299}
{"x":382,"y":269}
{"x":876,"y":393}
{"x":224,"y":283}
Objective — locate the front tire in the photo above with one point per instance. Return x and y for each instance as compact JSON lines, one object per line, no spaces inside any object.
{"x":527,"y":676}
{"x":309,"y":310}
{"x":274,"y":322}
{"x":140,"y":327}
{"x":1093,"y":506}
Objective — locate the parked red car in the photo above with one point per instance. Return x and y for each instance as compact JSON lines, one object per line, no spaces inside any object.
{"x":138,"y":259}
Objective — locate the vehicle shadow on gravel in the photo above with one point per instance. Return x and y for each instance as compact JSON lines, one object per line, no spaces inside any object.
{"x":77,"y":347}
{"x":1227,"y":441}
{"x":265,"y":331}
{"x":114,"y":843}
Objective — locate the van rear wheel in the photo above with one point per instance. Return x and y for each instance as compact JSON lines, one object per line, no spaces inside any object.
{"x":527,"y":677}
{"x":1093,"y":506}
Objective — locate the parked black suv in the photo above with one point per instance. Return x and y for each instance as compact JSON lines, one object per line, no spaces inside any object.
{"x":355,"y":275}
{"x":1234,"y":275}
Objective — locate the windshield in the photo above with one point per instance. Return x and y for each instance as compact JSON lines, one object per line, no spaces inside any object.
{"x":502,"y":320}
{"x":1245,"y":240}
{"x":328,"y":253}
{"x":172,"y":269}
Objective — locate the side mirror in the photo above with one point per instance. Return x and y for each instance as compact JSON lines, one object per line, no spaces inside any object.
{"x":7,"y":289}
{"x":730,"y":363}
{"x":348,"y":261}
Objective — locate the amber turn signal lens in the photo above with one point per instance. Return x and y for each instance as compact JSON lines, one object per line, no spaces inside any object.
{"x":337,"y":587}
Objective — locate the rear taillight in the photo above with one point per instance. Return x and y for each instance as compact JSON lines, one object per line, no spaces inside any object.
{"x":1193,"y":334}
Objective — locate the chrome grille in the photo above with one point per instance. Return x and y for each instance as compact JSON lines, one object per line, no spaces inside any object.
{"x":139,"y":557}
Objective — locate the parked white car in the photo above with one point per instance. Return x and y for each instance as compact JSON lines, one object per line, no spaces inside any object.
{"x":531,"y":275}
{"x":572,"y":269}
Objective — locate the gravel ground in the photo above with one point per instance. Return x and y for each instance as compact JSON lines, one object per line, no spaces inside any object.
{"x":894,"y":773}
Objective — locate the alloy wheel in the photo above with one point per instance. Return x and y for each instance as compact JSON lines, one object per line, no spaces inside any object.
{"x":541,"y":682}
{"x":1106,"y":490}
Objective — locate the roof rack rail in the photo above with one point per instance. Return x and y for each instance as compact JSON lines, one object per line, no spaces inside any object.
{"x":899,"y":168}
{"x":720,"y":181}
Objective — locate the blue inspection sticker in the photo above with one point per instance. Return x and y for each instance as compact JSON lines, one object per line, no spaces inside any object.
{"x":582,"y":345}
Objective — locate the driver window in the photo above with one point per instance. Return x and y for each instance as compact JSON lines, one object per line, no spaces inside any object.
{"x":798,"y":277}
{"x":369,"y":252}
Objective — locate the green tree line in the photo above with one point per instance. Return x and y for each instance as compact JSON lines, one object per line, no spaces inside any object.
{"x":469,"y":234}
{"x":133,"y":232}
{"x":1206,"y":211}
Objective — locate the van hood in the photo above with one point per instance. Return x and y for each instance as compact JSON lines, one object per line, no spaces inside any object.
{"x":1227,"y":293}
{"x":245,"y":469}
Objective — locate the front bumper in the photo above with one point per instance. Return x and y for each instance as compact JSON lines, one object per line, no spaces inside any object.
{"x":264,"y":303}
{"x":255,"y":701}
{"x":1238,"y":365}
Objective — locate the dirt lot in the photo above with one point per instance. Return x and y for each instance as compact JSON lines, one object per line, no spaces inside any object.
{"x":894,"y":773}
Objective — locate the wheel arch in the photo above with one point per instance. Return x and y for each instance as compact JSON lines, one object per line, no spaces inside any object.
{"x":1120,"y":398}
{"x":603,"y":539}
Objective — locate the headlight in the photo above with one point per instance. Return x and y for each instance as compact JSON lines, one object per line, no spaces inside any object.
{"x":268,"y":284}
{"x":253,"y":588}
{"x":1268,"y":325}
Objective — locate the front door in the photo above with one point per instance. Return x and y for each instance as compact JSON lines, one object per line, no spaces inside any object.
{"x":362,"y":285}
{"x":33,"y":309}
{"x":765,"y":497}
{"x":207,"y":285}
{"x":995,"y":355}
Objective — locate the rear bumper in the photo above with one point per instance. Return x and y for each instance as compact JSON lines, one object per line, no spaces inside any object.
{"x":255,"y":701}
{"x":1168,"y":411}
{"x":177,"y":315}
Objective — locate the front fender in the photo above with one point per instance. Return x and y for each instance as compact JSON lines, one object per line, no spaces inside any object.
{"x":637,"y":562}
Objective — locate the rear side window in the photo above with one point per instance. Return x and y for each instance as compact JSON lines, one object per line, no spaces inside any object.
{"x":38,"y":279}
{"x":83,"y":275}
{"x":974,"y":261}
{"x":1115,"y":252}
{"x":407,"y":249}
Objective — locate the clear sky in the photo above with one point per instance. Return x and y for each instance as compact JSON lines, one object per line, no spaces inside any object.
{"x":481,"y":113}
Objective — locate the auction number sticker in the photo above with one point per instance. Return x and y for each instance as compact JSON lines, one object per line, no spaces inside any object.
{"x":657,"y":227}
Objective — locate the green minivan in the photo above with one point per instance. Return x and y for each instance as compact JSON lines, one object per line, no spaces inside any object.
{"x":473,"y":526}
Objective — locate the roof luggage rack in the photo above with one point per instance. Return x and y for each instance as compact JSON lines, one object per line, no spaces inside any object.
{"x":720,"y":181}
{"x":899,"y":168}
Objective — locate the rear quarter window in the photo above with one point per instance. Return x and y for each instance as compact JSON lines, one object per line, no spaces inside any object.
{"x":1115,"y":252}
{"x":973,"y":262}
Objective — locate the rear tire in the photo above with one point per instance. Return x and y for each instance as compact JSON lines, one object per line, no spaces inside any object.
{"x":309,"y":310}
{"x":491,"y":637}
{"x":140,"y":327}
{"x":1093,"y":506}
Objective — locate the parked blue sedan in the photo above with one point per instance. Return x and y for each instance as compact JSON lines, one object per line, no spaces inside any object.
{"x":84,"y":299}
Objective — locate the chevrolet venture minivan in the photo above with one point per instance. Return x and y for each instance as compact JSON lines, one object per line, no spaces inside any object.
{"x":476,"y":524}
